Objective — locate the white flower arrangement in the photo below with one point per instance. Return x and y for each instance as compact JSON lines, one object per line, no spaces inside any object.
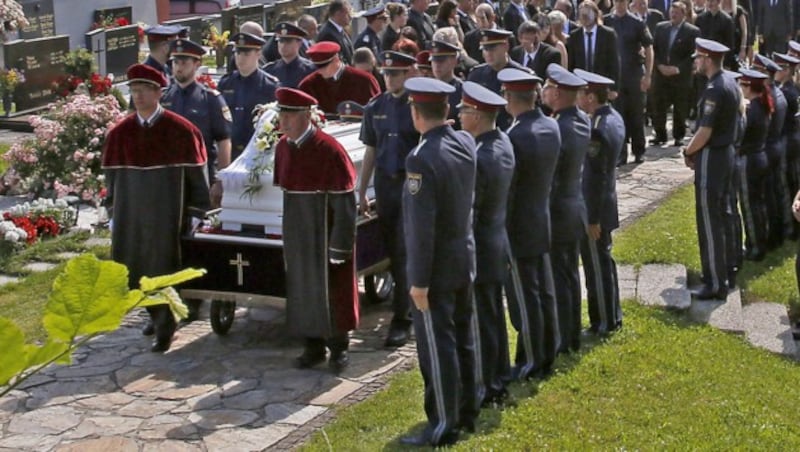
{"x":11,"y":233}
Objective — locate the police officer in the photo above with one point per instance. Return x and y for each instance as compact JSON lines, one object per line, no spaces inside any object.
{"x":437,"y":221}
{"x":567,"y":207}
{"x":711,"y":153}
{"x":376,"y":23}
{"x":444,"y":57}
{"x":245,"y":88}
{"x":158,"y":38}
{"x":531,"y":295}
{"x":600,"y":196}
{"x":202,"y":106}
{"x":291,"y":68}
{"x":791,"y":131}
{"x":733,"y":224}
{"x":495,"y":156}
{"x":494,"y":46}
{"x":389,"y":135}
{"x":751,"y":162}
{"x":778,"y":198}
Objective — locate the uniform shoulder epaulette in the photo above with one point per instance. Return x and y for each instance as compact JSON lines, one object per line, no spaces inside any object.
{"x":480,"y":66}
{"x":213,"y":91}
{"x":269,"y":64}
{"x":272,"y":78}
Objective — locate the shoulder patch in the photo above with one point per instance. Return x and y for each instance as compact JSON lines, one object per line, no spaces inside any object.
{"x":413,"y":182}
{"x":708,"y":107}
{"x":226,"y":113}
{"x":366,"y":39}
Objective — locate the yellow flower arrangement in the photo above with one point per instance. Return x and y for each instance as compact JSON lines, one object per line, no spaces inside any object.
{"x":9,"y":80}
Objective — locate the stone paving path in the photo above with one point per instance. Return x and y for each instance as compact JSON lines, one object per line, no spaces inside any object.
{"x":237,"y":392}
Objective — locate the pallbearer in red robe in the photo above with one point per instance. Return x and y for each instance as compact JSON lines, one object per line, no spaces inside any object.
{"x":334,"y":82}
{"x":155,"y":166}
{"x":319,"y":227}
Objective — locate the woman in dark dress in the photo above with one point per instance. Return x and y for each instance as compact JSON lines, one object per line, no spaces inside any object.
{"x":741,"y":32}
{"x":398,"y":16}
{"x":447,"y":16}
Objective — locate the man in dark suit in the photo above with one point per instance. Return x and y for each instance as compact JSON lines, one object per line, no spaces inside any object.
{"x":376,"y":23}
{"x":514,"y":15}
{"x":672,"y":78}
{"x":601,"y":56}
{"x":472,"y":40}
{"x":340,"y":13}
{"x":650,"y":16}
{"x":717,"y":25}
{"x":774,"y":25}
{"x":466,"y":8}
{"x":567,"y":207}
{"x":532,"y":53}
{"x":421,"y":22}
{"x":530,"y":290}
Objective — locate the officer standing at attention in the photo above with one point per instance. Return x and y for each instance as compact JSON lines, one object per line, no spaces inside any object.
{"x":494,"y":45}
{"x":376,"y":23}
{"x":495,"y":156}
{"x":290,"y":68}
{"x":567,"y":207}
{"x":600,"y":195}
{"x":158,"y":38}
{"x":389,"y":135}
{"x":444,"y":58}
{"x":245,"y":88}
{"x":437,"y":217}
{"x":202,"y":106}
{"x":711,"y":153}
{"x":531,"y":295}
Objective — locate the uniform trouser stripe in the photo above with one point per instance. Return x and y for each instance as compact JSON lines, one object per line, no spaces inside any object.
{"x":599,"y":287}
{"x":436,"y":377}
{"x":519,"y":295}
{"x":480,"y":385}
{"x":704,"y":206}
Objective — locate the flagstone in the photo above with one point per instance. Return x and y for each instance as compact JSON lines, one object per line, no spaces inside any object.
{"x":46,"y":421}
{"x":112,"y":443}
{"x":105,"y":425}
{"x":250,"y":400}
{"x":171,"y":446}
{"x":291,"y":413}
{"x":143,"y":408}
{"x":247,"y":439}
{"x":221,"y":419}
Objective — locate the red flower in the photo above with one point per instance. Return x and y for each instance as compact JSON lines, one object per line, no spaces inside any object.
{"x":121,"y":22}
{"x":206,"y":79}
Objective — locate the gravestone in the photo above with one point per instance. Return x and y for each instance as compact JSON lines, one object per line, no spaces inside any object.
{"x":114,"y":49}
{"x":112,"y":14}
{"x":196,"y":26}
{"x":42,"y":59}
{"x":41,"y":18}
{"x":233,"y":18}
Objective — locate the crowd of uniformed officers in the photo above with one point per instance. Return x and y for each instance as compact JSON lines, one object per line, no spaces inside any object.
{"x":495,"y":172}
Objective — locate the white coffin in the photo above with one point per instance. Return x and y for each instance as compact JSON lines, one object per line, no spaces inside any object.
{"x":265,"y":208}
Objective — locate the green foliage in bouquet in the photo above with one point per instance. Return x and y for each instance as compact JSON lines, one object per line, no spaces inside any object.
{"x":89,"y":297}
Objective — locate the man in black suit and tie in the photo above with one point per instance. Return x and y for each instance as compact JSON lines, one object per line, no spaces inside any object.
{"x":600,"y":55}
{"x":717,"y":25}
{"x":774,"y":25}
{"x":532,"y":53}
{"x":466,"y":8}
{"x":421,"y":22}
{"x":340,"y":13}
{"x":672,"y":78}
{"x":514,"y":15}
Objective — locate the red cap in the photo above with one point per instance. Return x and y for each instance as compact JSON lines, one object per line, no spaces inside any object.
{"x":142,"y":73}
{"x":424,"y":59}
{"x":323,"y":52}
{"x":293,"y":99}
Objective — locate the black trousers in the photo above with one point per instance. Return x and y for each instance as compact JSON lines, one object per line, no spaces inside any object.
{"x":779,"y":202}
{"x":602,"y":288}
{"x":712,"y":182}
{"x":670,"y":92}
{"x":336,"y":344}
{"x":751,"y":188}
{"x":388,"y":198}
{"x":446,"y":360}
{"x":491,"y":342}
{"x":793,"y":174}
{"x":630,"y":104}
{"x":733,"y":225}
{"x":532,"y":307}
{"x":163,"y":321}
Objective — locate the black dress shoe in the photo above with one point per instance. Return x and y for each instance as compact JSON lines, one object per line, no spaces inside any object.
{"x":423,"y":440}
{"x":161,"y":344}
{"x":466,"y":426}
{"x":397,"y":337}
{"x":639,"y":159}
{"x":149,"y":329}
{"x":707,"y":294}
{"x":678,"y":142}
{"x":339,"y":361}
{"x":309,"y":359}
{"x":732,"y":280}
{"x":658,"y":141}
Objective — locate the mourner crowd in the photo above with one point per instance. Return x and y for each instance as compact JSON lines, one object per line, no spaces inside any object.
{"x":492,"y":140}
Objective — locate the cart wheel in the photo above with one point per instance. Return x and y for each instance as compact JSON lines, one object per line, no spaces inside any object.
{"x":222,"y":314}
{"x":378,"y":287}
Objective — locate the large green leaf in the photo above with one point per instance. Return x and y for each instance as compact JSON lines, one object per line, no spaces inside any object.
{"x":50,"y":351}
{"x":170,"y":297}
{"x":159,"y":282}
{"x":88,"y":297}
{"x":13,"y":353}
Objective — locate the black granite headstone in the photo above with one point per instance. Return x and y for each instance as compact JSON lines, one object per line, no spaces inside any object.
{"x":41,"y":19}
{"x":196,"y":26}
{"x":122,"y":50}
{"x":233,"y":18}
{"x":112,"y":14}
{"x":42,"y":59}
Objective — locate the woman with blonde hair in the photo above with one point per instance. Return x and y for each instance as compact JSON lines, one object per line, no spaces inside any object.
{"x":551,"y":30}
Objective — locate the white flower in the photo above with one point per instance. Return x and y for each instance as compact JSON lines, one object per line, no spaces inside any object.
{"x":11,"y":236}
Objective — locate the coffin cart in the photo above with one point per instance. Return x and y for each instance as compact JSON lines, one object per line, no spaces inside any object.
{"x":244,"y":254}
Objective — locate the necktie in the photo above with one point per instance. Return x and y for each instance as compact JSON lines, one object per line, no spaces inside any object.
{"x":589,"y":52}
{"x":530,"y":60}
{"x":146,"y":124}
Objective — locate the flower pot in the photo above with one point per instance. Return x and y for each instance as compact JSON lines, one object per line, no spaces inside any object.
{"x":220,"y":54}
{"x":7,"y":104}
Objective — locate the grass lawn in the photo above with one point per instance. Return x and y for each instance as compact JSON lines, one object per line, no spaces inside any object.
{"x":659,"y":383}
{"x":24,"y":301}
{"x":669,"y":235}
